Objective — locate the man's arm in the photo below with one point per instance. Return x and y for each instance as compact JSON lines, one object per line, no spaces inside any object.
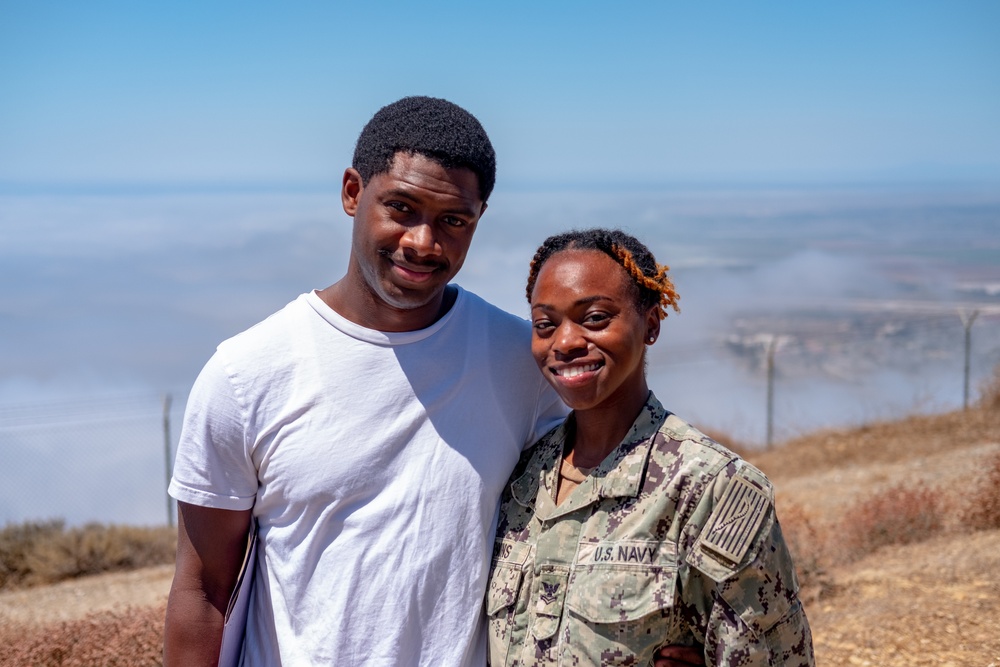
{"x":211,"y":544}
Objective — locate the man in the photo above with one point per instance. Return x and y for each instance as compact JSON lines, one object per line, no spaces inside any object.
{"x":368,"y":427}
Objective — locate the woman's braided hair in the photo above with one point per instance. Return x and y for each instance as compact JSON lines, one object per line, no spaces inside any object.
{"x":652,"y":285}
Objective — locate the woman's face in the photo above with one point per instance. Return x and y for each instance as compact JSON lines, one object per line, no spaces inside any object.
{"x":587,"y":336}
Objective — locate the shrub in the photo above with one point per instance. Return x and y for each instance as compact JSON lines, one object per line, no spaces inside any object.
{"x":898,"y":515}
{"x":45,"y":553}
{"x":131,"y":637}
{"x":17,"y":548}
{"x":806,"y":548}
{"x":983,"y":510}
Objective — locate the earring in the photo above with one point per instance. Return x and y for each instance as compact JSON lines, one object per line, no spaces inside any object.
{"x":651,"y":339}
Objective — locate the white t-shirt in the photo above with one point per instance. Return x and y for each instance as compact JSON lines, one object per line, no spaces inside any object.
{"x":373,"y":463}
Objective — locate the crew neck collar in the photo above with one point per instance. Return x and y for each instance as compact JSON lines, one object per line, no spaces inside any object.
{"x":385,"y":338}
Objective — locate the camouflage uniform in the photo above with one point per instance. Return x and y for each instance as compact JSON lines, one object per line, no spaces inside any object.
{"x":671,"y":540}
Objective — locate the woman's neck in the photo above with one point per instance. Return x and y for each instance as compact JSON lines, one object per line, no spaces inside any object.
{"x":599,"y":430}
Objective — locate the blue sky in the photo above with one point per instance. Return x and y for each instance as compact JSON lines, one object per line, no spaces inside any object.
{"x":169,"y":176}
{"x":573,"y":93}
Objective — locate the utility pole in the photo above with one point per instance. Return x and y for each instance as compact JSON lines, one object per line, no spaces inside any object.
{"x":967,"y":319}
{"x":167,"y":400}
{"x":771,"y":345}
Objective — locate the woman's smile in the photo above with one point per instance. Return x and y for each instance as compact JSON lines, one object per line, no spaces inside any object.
{"x":576,"y":370}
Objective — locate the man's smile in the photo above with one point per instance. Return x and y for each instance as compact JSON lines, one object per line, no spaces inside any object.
{"x":416,"y":272}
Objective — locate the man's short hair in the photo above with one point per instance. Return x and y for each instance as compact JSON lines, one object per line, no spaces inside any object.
{"x":432,"y":127}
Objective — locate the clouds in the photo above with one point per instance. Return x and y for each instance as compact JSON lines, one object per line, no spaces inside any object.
{"x":146,"y":286}
{"x":129,"y":293}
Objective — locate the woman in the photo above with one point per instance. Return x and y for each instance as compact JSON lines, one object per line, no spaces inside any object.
{"x":625,"y":530}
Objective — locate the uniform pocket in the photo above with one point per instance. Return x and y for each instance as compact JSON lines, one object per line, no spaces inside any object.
{"x":505,"y":583}
{"x":617,"y":594}
{"x":506,"y":578}
{"x":621,"y":611}
{"x":549,"y":600}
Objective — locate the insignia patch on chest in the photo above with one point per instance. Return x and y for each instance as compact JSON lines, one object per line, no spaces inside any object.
{"x":550,"y":591}
{"x":735,"y":520}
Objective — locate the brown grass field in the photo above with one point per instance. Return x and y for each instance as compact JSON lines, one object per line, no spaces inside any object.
{"x":895,"y":528}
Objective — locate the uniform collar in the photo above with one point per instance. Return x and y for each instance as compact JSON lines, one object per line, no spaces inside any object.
{"x":619,"y":475}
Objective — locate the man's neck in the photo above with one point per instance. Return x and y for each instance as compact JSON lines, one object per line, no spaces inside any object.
{"x":372,"y":313}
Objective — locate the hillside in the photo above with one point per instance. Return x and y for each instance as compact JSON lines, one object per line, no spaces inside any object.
{"x":934,"y":601}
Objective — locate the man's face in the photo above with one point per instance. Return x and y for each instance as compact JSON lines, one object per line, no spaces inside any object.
{"x":412,"y":229}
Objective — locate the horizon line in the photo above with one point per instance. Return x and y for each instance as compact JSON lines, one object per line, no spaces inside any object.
{"x":167,"y":187}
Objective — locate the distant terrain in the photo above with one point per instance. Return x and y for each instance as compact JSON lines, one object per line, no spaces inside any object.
{"x":895,"y":528}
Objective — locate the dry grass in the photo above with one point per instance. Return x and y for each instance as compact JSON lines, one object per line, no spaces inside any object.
{"x":894,"y":516}
{"x":934,"y":603}
{"x":924,"y":594}
{"x":989,"y":392}
{"x":33,"y":554}
{"x":915,"y":437}
{"x":983,"y":509}
{"x":132,"y":637}
{"x":898,"y":515}
{"x":849,"y":492}
{"x":807,"y":545}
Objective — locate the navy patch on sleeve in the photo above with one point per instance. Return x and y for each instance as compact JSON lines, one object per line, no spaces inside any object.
{"x":734,"y":521}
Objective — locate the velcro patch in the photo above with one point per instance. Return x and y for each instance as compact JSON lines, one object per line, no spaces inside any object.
{"x":626,"y":552}
{"x":734,"y":521}
{"x":510,"y":552}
